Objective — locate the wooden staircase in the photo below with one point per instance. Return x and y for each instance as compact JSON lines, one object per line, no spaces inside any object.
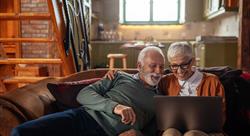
{"x":9,"y":80}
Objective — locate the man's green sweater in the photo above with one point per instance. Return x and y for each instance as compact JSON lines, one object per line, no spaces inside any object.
{"x":99,"y":100}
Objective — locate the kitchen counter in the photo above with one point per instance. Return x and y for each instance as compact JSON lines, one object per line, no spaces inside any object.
{"x":122,"y":42}
{"x":100,"y":49}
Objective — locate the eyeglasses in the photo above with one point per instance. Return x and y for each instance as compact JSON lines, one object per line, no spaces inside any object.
{"x":182,"y":66}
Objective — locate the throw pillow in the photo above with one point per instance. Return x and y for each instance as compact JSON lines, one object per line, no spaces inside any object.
{"x":65,"y":93}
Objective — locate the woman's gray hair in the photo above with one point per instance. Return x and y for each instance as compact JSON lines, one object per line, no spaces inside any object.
{"x":179,"y":49}
{"x":143,"y":52}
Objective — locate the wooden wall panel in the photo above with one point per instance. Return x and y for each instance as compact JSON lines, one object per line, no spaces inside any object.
{"x":244,"y":36}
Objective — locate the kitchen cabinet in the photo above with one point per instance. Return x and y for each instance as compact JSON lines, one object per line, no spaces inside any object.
{"x":211,"y":51}
{"x":214,"y":8}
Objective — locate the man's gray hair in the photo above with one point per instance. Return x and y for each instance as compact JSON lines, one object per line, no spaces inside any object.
{"x":143,"y":52}
{"x":180,"y":49}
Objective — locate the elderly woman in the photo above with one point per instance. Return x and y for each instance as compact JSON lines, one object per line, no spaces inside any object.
{"x":185,"y":80}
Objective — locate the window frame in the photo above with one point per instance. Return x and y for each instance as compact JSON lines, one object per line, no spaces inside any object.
{"x":150,"y":22}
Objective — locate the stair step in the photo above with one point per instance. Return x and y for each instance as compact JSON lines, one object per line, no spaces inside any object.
{"x":41,"y":40}
{"x":30,"y":61}
{"x":25,"y":16}
{"x":20,"y":79}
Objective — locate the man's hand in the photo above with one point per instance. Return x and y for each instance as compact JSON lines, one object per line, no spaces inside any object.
{"x":130,"y":132}
{"x":110,"y":74}
{"x":127,"y":114}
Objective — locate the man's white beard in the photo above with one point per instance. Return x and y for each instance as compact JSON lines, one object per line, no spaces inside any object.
{"x":151,"y":78}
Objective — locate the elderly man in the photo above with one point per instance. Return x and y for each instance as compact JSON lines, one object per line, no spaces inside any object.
{"x":185,"y":80}
{"x":123,"y":106}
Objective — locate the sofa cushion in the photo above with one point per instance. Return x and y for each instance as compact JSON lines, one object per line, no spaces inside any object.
{"x":65,"y":92}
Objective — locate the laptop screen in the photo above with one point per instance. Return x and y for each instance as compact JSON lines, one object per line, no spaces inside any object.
{"x":189,"y":113}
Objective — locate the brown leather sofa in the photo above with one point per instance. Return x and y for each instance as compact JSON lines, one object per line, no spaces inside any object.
{"x":35,"y":100}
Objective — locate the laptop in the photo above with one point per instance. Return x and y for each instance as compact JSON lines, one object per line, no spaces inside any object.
{"x":189,"y":112}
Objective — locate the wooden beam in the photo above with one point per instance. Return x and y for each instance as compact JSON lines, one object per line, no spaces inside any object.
{"x":41,"y":40}
{"x":30,"y":61}
{"x":20,"y":79}
{"x":24,"y":16}
{"x":244,"y":39}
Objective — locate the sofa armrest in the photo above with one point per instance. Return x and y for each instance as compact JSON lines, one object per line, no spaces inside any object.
{"x":33,"y":100}
{"x":10,"y":117}
{"x":25,"y":103}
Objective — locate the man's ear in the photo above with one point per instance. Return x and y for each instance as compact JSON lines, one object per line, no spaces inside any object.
{"x":139,"y":65}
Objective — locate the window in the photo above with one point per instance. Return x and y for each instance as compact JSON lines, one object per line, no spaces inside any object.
{"x":149,"y":11}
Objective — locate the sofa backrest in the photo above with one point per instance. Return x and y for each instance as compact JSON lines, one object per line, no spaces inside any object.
{"x":35,"y":100}
{"x":92,"y":73}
